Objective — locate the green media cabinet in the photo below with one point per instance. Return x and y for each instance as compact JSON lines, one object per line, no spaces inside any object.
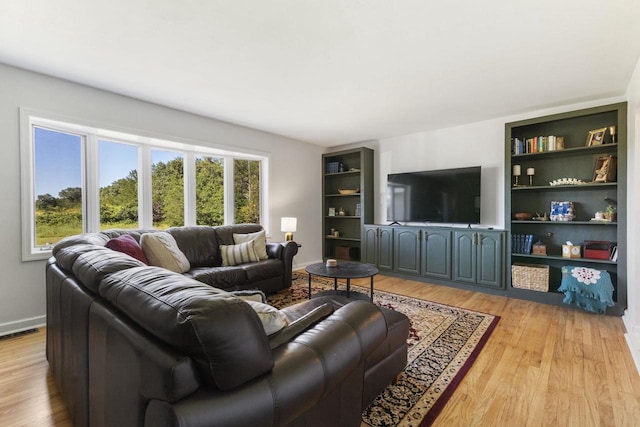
{"x":466,"y":258}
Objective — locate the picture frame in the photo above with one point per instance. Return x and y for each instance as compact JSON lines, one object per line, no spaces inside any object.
{"x":605,"y":169}
{"x":596,"y":137}
{"x":332,"y":211}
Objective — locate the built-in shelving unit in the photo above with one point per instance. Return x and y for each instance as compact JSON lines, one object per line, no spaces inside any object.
{"x":578,"y":159}
{"x":346,"y":214}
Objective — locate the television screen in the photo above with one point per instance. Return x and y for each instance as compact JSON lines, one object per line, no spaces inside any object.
{"x":440,"y":196}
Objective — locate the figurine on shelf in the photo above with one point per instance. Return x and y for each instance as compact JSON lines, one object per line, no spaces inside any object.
{"x":601,"y":174}
{"x":539,"y":217}
{"x":341,"y":212}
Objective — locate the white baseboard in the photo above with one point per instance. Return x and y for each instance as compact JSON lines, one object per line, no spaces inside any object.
{"x":301,"y":267}
{"x":633,"y":340}
{"x":22,"y":325}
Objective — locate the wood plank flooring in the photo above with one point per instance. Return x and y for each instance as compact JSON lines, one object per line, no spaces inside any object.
{"x":542,"y":366}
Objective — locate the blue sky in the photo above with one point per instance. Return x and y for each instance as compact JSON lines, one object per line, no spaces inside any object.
{"x":58,"y":161}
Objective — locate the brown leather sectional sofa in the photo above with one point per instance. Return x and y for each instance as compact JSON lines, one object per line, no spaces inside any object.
{"x":136,"y":345}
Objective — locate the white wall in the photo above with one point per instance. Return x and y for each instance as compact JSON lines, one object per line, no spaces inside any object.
{"x":295,"y":170}
{"x":462,"y":146}
{"x":632,"y":316}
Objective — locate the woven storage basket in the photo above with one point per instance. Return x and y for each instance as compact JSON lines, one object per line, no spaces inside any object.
{"x":533,"y":277}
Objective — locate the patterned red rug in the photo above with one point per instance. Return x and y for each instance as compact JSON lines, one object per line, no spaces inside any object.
{"x":444,"y":341}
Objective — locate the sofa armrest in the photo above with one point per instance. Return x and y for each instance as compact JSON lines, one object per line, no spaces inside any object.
{"x":300,"y":325}
{"x":308,"y":368}
{"x":284,"y":251}
{"x":275,"y":250}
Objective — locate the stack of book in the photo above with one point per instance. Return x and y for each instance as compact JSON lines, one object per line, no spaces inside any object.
{"x":537,"y":144}
{"x":358,"y":209}
{"x":333,"y":167}
{"x":521,"y":243}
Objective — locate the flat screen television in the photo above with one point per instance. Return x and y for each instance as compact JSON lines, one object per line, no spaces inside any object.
{"x":436,"y":196}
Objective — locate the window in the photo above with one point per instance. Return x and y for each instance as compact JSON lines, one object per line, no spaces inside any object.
{"x":78,"y":178}
{"x":58,"y":202}
{"x":246,"y":186}
{"x":209,"y":190}
{"x":167,"y":188}
{"x":118,"y":179}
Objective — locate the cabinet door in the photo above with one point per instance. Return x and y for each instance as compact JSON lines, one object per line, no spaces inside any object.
{"x":489,"y":261}
{"x":464,"y":257}
{"x":406,"y":250}
{"x":436,"y":253}
{"x":370,"y":245}
{"x":385,"y":248}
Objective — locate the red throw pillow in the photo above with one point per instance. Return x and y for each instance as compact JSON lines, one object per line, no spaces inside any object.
{"x":128,"y":245}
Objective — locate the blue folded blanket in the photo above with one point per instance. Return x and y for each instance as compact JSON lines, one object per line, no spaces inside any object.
{"x":587,"y":288}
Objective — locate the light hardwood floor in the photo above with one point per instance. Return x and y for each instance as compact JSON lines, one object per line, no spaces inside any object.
{"x":542,"y":366}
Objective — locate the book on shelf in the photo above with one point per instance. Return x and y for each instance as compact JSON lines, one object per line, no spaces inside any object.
{"x":334,"y":167}
{"x":521,"y":243}
{"x":614,"y":254}
{"x":537,"y":144}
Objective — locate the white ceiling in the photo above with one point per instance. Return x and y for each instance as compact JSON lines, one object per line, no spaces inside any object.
{"x":332,"y":72}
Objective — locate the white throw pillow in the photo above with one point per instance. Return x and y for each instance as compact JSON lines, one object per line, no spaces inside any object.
{"x":272,"y":319}
{"x":259,"y":239}
{"x":238,"y":254}
{"x":250,"y":295}
{"x":162,"y":250}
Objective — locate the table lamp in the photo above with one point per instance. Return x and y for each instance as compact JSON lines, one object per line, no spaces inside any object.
{"x":288,"y":226}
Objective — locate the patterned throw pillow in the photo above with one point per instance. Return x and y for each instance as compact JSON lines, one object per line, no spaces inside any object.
{"x":259,"y":240}
{"x":162,"y":250}
{"x":238,"y":254}
{"x":272,"y":319}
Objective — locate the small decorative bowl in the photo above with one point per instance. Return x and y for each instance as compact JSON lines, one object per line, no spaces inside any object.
{"x":355,"y":191}
{"x":523,"y":216}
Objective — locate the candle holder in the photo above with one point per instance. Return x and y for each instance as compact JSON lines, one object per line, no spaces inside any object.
{"x":516,"y":174}
{"x":530,"y":173}
{"x":612,"y":132}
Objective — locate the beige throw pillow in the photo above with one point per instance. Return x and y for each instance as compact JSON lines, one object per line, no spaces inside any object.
{"x":238,"y":254}
{"x":162,"y":250}
{"x":272,"y":319}
{"x":259,"y":240}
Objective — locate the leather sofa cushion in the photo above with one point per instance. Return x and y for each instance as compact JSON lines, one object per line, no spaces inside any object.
{"x":225,"y":232}
{"x":300,"y":325}
{"x":195,"y":318}
{"x":199,"y":244}
{"x":219,"y":277}
{"x":90,"y":263}
{"x":95,"y":239}
{"x":263,"y":270}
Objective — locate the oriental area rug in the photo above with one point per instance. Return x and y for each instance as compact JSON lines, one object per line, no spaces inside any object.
{"x":443,"y":343}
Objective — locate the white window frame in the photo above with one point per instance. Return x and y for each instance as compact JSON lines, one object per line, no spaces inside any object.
{"x":90,"y":173}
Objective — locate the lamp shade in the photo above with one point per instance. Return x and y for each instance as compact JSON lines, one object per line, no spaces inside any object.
{"x":288,"y":225}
